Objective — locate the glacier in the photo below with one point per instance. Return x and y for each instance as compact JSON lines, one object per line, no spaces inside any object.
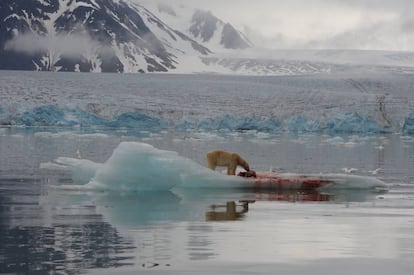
{"x":52,"y":116}
{"x":335,"y":103}
{"x":408,"y":127}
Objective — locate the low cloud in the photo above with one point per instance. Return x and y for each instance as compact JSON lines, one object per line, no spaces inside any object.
{"x":351,"y":24}
{"x":335,"y":24}
{"x":67,"y":45}
{"x":407,"y":21}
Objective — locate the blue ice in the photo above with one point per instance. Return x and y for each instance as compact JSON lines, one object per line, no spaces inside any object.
{"x":346,"y":123}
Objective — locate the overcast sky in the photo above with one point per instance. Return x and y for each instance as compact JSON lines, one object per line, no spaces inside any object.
{"x":349,"y":24}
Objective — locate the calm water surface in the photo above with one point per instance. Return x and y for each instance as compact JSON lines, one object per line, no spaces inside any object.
{"x":47,"y":230}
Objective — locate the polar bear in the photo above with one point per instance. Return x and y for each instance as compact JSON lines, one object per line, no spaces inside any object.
{"x":228,"y":159}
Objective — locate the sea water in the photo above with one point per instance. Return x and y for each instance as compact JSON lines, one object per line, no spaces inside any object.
{"x":90,"y":167}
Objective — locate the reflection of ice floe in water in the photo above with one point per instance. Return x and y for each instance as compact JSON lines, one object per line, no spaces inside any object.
{"x":230,"y":211}
{"x":139,"y":208}
{"x":183,"y":204}
{"x":142,"y":167}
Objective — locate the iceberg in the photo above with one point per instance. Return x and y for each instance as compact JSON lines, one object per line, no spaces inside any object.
{"x":136,"y":166}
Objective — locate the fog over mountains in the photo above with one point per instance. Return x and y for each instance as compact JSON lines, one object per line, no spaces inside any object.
{"x":104,"y":36}
{"x":127,"y":36}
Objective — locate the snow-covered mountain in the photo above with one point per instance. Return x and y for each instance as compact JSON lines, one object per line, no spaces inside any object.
{"x":150,"y":36}
{"x":102,"y":36}
{"x":203,"y":26}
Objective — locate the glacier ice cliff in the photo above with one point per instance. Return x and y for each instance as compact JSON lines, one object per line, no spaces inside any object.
{"x":408,"y":127}
{"x":373,"y":103}
{"x":341,"y":123}
{"x":50,"y":115}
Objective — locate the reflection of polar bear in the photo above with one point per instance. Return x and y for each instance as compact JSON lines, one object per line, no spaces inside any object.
{"x":227,"y":159}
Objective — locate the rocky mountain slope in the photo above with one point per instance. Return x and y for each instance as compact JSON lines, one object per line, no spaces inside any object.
{"x":101,"y":36}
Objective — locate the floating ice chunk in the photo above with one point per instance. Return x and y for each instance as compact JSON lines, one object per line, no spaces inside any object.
{"x":136,"y":166}
{"x":140,"y":166}
{"x":376,"y":171}
{"x":346,"y":181}
{"x":70,"y":135}
{"x":349,"y":170}
{"x":408,"y":127}
{"x":349,"y":141}
{"x":82,"y":170}
{"x":336,"y":140}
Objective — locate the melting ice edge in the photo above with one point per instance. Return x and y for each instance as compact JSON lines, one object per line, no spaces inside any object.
{"x":348,"y":122}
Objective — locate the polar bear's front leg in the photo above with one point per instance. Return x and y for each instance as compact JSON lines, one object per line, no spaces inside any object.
{"x":231,"y":169}
{"x":210,"y":164}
